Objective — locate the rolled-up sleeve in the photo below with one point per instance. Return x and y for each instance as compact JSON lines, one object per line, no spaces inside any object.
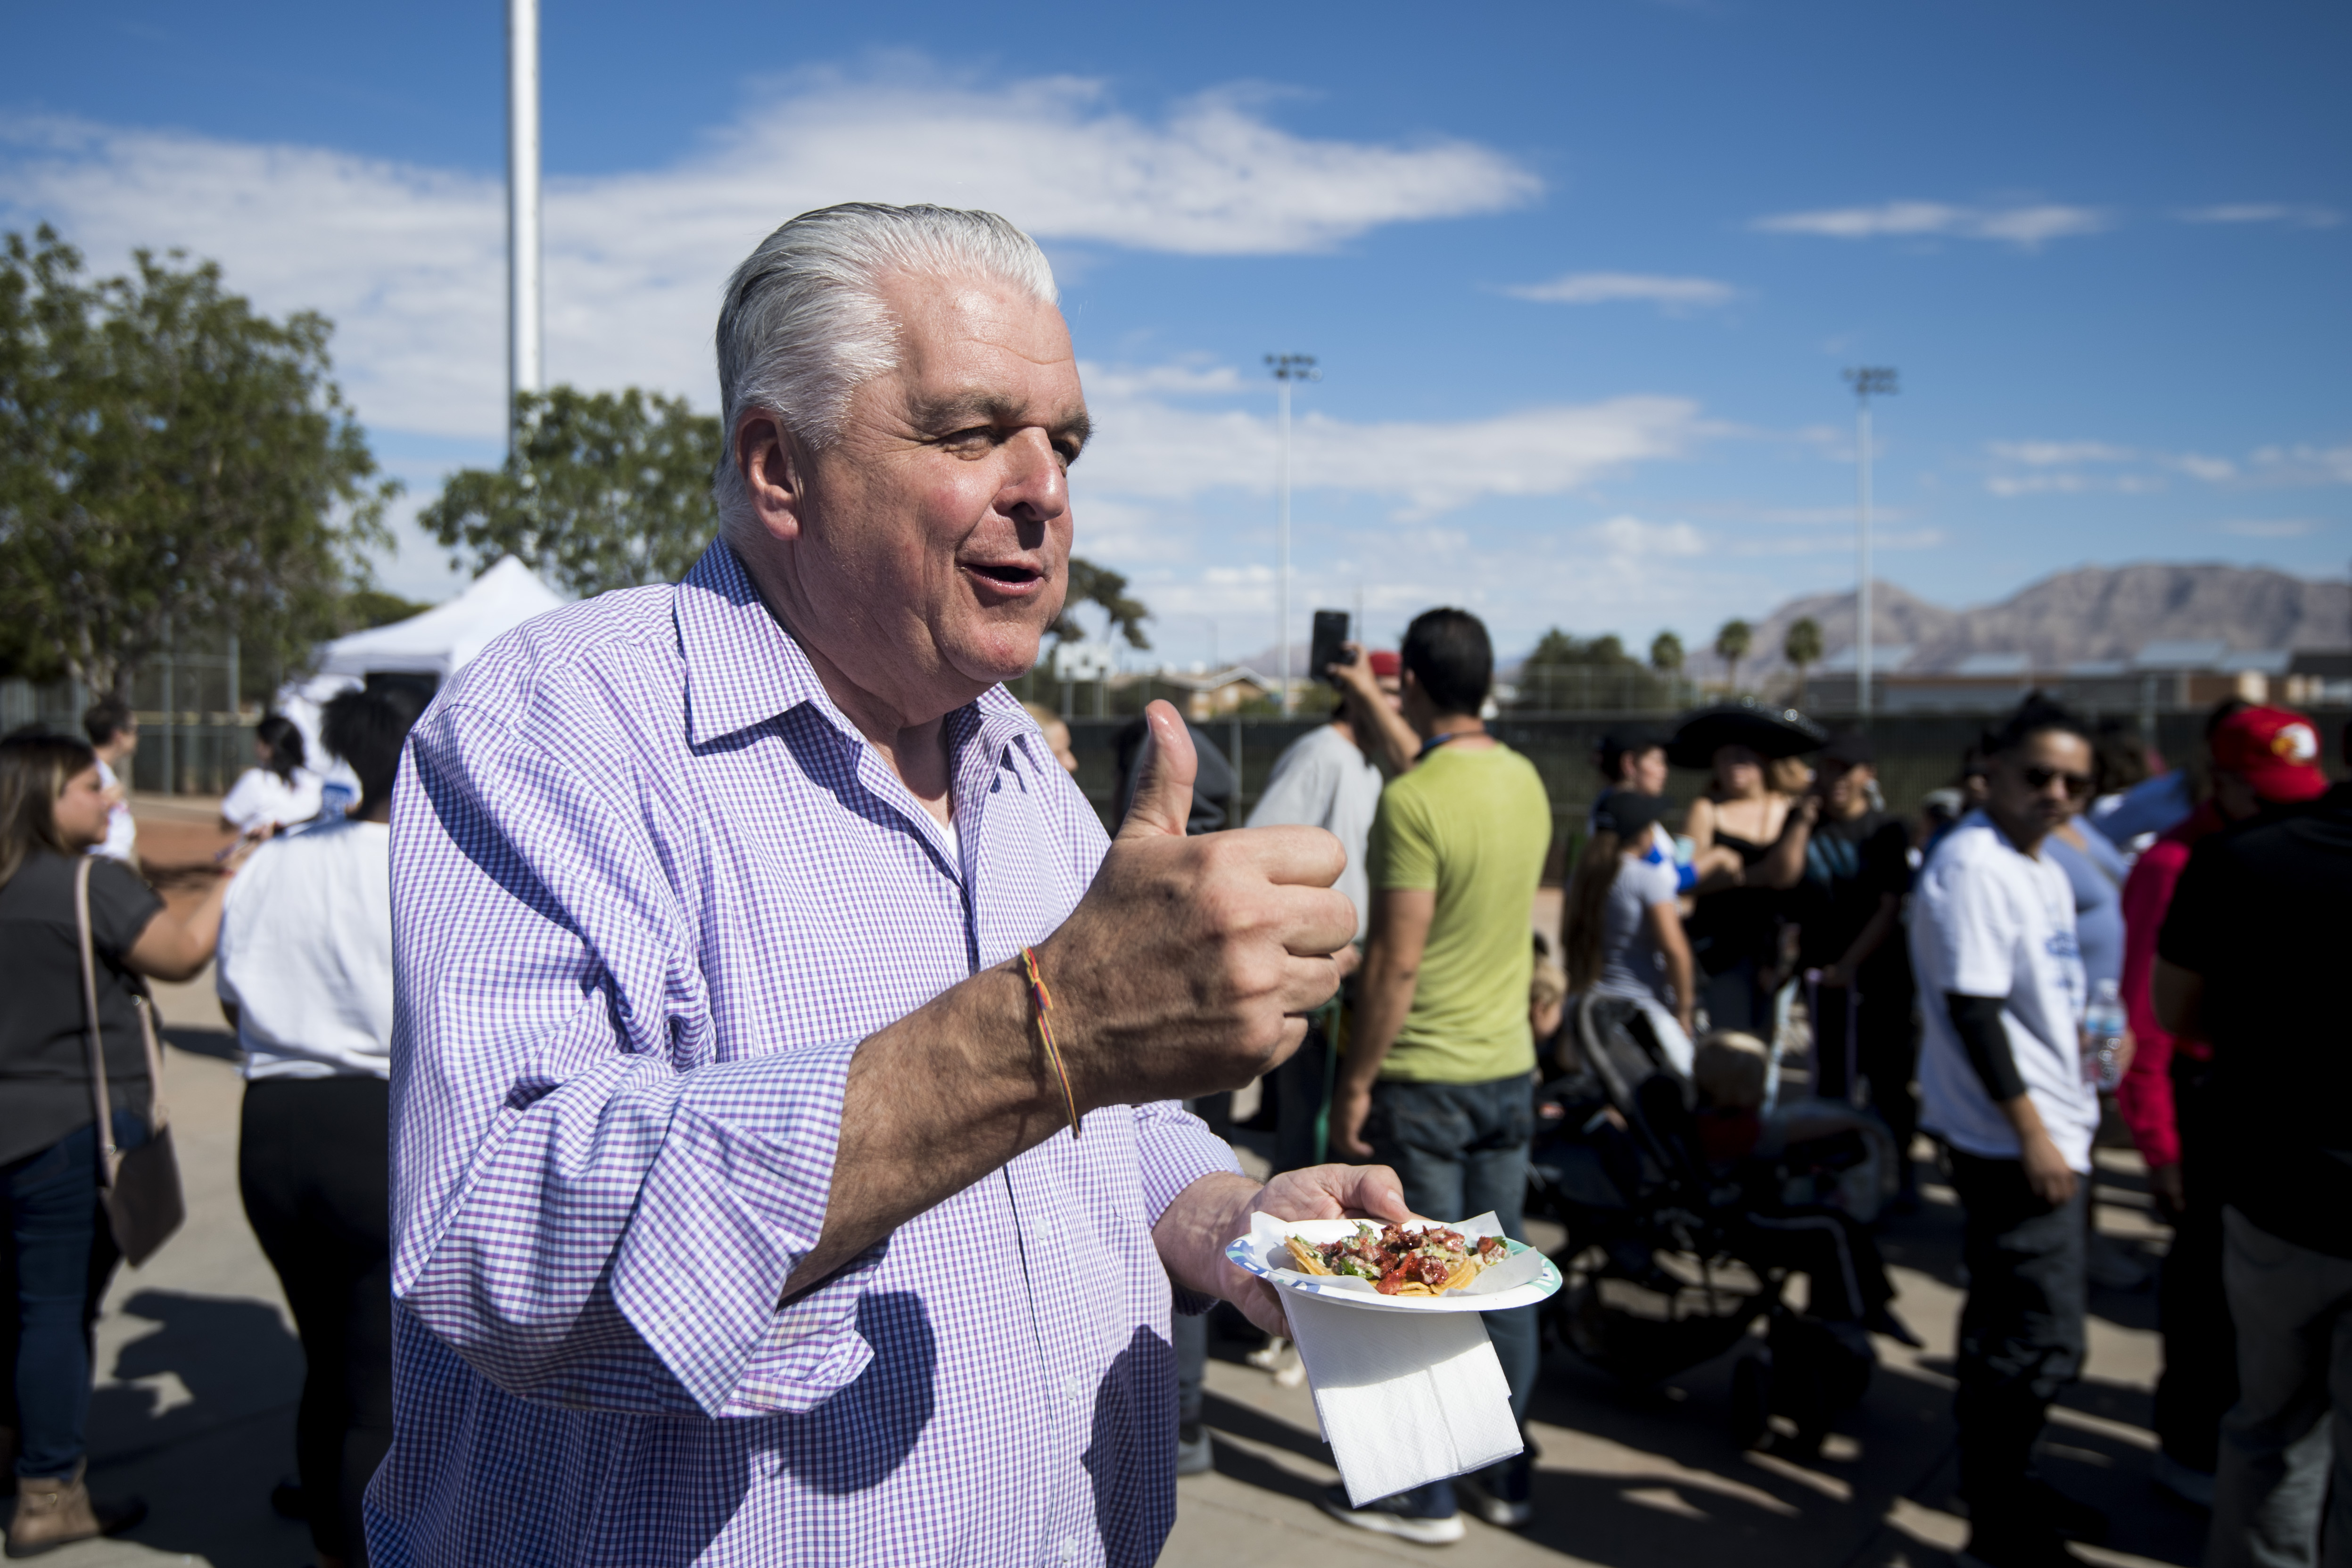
{"x":594,"y":1204}
{"x":1176,"y":1149}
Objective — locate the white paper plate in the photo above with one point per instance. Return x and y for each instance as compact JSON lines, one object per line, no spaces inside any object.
{"x":1522,"y":1280}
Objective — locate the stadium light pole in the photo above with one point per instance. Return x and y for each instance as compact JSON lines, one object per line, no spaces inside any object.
{"x":1868,"y":381}
{"x":522,"y":205}
{"x":1286,"y":368}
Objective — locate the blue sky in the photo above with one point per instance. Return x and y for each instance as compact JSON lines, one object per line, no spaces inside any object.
{"x":1581,"y":277}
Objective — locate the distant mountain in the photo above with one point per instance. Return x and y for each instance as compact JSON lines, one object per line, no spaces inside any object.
{"x":2092,"y":613}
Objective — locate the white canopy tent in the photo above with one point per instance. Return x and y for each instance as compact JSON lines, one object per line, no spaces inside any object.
{"x":435,"y":644}
{"x":439,"y":642}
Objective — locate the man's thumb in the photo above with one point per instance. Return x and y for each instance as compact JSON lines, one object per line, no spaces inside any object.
{"x":1163,"y":776}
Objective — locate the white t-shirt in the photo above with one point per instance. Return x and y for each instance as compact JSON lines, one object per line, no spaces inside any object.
{"x":260,"y":796}
{"x":306,"y":952}
{"x":1325,"y":780}
{"x":1631,"y":963}
{"x":122,"y":834}
{"x":1987,"y":921}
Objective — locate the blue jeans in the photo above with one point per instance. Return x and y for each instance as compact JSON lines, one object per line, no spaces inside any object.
{"x":1460,"y":1149}
{"x":63,"y":1253}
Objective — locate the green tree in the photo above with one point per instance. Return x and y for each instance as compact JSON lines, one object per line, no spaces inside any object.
{"x":602,"y":490}
{"x":1667,"y":654}
{"x":1802,"y":647}
{"x":1567,"y":673}
{"x":1731,"y":644}
{"x":172,"y":465}
{"x":1106,"y":591}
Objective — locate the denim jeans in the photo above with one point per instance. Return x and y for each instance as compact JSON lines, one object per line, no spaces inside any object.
{"x":64,"y":1254}
{"x":1460,"y":1149}
{"x":2291,"y":1430}
{"x":2022,"y":1331}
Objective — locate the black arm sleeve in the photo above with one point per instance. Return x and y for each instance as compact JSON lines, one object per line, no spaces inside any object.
{"x":1976,"y":1019}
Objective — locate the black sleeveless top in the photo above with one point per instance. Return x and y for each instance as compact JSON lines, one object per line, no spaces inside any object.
{"x":1738,"y":922}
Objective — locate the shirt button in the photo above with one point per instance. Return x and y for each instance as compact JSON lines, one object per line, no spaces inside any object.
{"x":1075,"y":1392}
{"x":1070,"y":1549}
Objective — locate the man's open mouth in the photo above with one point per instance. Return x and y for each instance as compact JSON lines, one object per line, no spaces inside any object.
{"x":1011,"y":574}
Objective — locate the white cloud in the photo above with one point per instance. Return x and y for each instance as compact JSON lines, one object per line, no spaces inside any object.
{"x":1630,"y":536}
{"x":2270,"y":527}
{"x":1815,"y":544}
{"x":2056,"y":467}
{"x":2296,"y":214}
{"x":1147,"y":448}
{"x":2304,"y":464}
{"x":410,"y":262}
{"x":1670,"y":294}
{"x":2055,"y":453}
{"x":2027,"y":226}
{"x":2197,"y":465}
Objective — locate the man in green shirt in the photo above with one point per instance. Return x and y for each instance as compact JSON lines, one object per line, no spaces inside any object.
{"x":1438,"y":1080}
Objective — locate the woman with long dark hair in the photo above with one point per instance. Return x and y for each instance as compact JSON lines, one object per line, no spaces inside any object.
{"x":1736,"y":931}
{"x":53,"y":810}
{"x":1625,"y":921}
{"x":279,"y":791}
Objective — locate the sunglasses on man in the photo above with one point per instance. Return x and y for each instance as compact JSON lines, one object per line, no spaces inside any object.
{"x":2037,"y":778}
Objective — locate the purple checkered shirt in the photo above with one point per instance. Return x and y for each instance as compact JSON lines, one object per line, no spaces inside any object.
{"x":650,"y":890}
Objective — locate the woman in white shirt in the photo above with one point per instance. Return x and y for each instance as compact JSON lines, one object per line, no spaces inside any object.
{"x":278,"y":792}
{"x":305,"y":972}
{"x":1625,"y":918}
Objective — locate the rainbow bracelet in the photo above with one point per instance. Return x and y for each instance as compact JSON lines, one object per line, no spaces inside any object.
{"x":1044,"y":1004}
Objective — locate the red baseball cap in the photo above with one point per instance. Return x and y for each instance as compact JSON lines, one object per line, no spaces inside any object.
{"x":2274,"y":750}
{"x":1386,"y":665}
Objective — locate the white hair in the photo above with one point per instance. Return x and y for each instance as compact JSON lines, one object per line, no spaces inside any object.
{"x":804,"y":325}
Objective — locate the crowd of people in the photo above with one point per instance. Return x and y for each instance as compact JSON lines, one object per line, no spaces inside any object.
{"x":734,"y":1101}
{"x":1955,"y":973}
{"x":294,"y":918}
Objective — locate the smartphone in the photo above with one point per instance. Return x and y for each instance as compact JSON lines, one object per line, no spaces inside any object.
{"x":1330,"y":644}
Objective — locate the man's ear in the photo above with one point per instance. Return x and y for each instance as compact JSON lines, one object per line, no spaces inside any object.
{"x":774,"y":467}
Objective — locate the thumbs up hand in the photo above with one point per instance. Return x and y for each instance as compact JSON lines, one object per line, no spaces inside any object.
{"x":1190,"y":963}
{"x":1164,"y":770}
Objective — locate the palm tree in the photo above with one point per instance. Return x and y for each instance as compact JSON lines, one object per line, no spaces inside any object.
{"x":1667,"y":654}
{"x":1800,"y":647}
{"x":1731,"y":644}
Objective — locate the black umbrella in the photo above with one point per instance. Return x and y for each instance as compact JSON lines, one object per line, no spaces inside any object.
{"x":1767,"y":731}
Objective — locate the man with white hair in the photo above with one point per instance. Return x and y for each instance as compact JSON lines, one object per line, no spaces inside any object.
{"x":759,"y":969}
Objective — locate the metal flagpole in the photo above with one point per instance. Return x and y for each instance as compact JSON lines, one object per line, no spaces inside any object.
{"x":1866,"y":381}
{"x":523,"y":316}
{"x":1287,"y":368}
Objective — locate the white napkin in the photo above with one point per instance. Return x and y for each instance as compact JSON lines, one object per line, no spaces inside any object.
{"x":1404,"y":1397}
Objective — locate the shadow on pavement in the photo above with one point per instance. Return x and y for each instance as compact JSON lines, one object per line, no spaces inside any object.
{"x":200,"y":1420}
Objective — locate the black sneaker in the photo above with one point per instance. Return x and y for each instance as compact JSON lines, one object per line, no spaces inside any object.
{"x":1196,"y":1452}
{"x":1387,"y":1517}
{"x":2072,"y":1519}
{"x":1882,"y":1320}
{"x":1500,"y":1494}
{"x":2016,"y":1547}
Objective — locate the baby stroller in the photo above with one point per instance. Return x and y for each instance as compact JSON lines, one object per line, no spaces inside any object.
{"x":1672,"y":1260}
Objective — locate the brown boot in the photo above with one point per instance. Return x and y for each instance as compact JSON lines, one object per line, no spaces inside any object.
{"x":55,"y":1512}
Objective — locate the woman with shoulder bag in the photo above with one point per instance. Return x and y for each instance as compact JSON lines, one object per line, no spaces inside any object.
{"x":69,"y":1190}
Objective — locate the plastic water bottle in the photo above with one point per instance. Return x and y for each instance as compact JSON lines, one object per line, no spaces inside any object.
{"x":2103,"y":1027}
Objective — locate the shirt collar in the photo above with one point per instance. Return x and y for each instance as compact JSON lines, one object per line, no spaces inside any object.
{"x":742,"y":668}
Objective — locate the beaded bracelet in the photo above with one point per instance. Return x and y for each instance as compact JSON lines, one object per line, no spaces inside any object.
{"x":1045,"y":1005}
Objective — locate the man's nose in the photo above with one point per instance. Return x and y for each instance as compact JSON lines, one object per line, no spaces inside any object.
{"x":1035,"y":487}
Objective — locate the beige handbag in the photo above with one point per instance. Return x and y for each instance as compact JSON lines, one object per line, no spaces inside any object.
{"x":142,"y":1188}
